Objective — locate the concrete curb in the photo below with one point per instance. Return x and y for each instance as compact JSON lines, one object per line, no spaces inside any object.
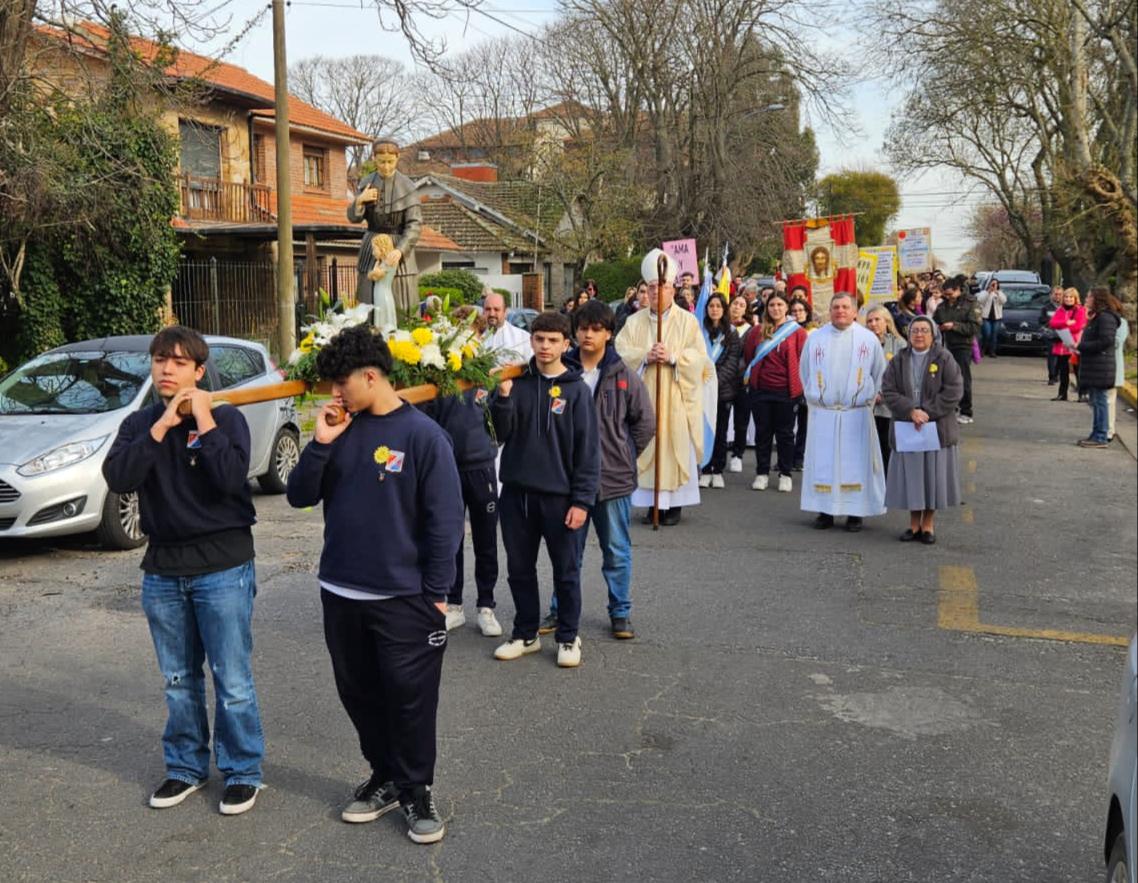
{"x":1128,"y":392}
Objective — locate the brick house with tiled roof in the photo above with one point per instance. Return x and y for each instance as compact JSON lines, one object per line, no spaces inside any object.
{"x":227,"y":164}
{"x":504,"y":228}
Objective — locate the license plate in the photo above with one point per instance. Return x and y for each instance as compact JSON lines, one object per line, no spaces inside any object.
{"x":1024,"y":336}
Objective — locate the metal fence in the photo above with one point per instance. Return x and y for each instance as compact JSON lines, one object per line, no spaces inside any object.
{"x":239,"y":298}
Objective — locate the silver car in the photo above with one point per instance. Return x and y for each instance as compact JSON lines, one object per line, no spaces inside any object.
{"x":1119,"y":844}
{"x":60,"y":412}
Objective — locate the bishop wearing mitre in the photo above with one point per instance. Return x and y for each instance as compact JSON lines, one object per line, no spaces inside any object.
{"x":684,"y":368}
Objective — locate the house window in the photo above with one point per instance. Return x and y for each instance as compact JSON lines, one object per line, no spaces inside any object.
{"x":200,"y":149}
{"x":460,"y":265}
{"x":315,"y":167}
{"x":260,"y":170}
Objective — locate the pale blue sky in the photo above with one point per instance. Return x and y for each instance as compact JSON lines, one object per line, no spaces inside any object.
{"x":343,"y":27}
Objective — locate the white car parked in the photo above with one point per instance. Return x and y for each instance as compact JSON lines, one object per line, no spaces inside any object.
{"x":60,"y":412}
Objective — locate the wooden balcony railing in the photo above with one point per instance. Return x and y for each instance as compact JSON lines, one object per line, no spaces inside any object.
{"x":210,"y":199}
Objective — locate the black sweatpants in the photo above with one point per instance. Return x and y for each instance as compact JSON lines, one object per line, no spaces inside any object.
{"x":1063,"y":369}
{"x":882,"y":424}
{"x":527,"y":519}
{"x":801,"y":421}
{"x":480,"y":496}
{"x":387,"y":658}
{"x":719,"y":451}
{"x":963,"y":358}
{"x":741,"y":413}
{"x":774,"y":416}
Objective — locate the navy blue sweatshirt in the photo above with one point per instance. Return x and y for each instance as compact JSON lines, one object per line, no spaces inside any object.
{"x":549,"y":429}
{"x":464,"y":419}
{"x":393,"y":514}
{"x":197,"y":509}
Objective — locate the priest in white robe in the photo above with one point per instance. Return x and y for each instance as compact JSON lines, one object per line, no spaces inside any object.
{"x":685,"y":370}
{"x":841,"y":369}
{"x":510,"y":344}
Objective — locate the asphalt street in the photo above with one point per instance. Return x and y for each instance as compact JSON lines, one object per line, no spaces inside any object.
{"x":797,"y":706}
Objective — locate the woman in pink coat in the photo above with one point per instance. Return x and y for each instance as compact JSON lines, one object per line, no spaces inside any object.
{"x":1072,"y":316}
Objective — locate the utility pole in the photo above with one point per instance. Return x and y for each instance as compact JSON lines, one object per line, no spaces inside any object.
{"x":286,"y":298}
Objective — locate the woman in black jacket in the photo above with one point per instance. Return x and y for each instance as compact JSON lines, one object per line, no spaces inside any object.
{"x":724,"y":349}
{"x":1097,"y":369}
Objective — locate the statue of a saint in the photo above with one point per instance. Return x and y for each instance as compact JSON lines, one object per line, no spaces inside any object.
{"x":388,"y":203}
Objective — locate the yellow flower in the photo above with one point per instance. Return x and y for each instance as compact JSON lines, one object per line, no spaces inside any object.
{"x":454,"y":360}
{"x":308,"y":342}
{"x":381,"y":454}
{"x":405,"y":351}
{"x":468,"y":351}
{"x":554,"y":391}
{"x":422,"y":336}
{"x":933,"y":368}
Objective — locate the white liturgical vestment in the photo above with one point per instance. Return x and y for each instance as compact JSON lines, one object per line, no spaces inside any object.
{"x":841,"y":373}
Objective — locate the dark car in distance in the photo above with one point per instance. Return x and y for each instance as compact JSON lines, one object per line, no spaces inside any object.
{"x":1021,"y":331}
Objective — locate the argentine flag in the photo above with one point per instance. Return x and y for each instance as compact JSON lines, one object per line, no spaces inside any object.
{"x":711,"y":379}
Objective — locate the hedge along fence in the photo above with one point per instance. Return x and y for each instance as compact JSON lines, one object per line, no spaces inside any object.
{"x":613,"y":277}
{"x":467,"y":284}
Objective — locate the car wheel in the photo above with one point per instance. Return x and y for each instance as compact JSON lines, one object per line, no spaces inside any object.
{"x":1116,"y":870}
{"x":286,"y":454}
{"x":121,"y":526}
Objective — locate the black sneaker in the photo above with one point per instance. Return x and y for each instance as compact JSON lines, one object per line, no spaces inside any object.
{"x":853,"y":524}
{"x":424,"y":824}
{"x":823,"y":521}
{"x":371,"y":800}
{"x":172,"y":792}
{"x":622,"y":628}
{"x":237,"y":799}
{"x":548,"y":625}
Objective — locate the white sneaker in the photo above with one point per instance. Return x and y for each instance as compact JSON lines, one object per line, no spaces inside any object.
{"x":488,"y":622}
{"x":736,"y":465}
{"x":569,"y":655}
{"x":717,"y":480}
{"x":515,"y":648}
{"x":705,"y":480}
{"x":760,"y":483}
{"x":785,"y":484}
{"x":964,"y":419}
{"x":455,"y":617}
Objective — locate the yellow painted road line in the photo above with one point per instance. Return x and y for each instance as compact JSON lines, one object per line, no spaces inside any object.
{"x":967,"y":516}
{"x":969,"y":487}
{"x":972,"y":466}
{"x":958,"y":610}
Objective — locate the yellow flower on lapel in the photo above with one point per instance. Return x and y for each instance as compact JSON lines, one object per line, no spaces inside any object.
{"x":381,"y":454}
{"x":933,"y":368}
{"x":554,"y":391}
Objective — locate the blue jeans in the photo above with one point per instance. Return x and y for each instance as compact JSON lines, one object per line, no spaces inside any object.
{"x":193,"y":618}
{"x":611,"y":521}
{"x":1100,"y":408}
{"x":990,"y":335}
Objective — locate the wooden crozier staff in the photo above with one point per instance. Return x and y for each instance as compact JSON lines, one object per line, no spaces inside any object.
{"x":291,"y":388}
{"x":661,"y":274}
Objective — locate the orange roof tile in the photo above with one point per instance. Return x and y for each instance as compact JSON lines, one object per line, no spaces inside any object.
{"x":230,"y":78}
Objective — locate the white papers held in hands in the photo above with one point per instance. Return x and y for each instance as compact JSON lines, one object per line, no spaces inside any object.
{"x":1067,"y":339}
{"x":910,"y":439}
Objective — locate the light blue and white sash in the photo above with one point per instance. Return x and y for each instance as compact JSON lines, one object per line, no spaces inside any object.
{"x":783,"y":331}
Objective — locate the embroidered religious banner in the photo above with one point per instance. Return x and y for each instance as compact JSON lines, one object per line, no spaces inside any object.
{"x":821,"y":254}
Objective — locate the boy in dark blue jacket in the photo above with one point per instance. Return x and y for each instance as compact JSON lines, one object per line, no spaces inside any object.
{"x":550,"y":473}
{"x":626,"y":423}
{"x":392,"y":524}
{"x":198,"y":579}
{"x":464,"y":419}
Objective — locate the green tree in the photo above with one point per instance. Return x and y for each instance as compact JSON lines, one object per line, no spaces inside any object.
{"x":88,"y":249}
{"x":874,"y":195}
